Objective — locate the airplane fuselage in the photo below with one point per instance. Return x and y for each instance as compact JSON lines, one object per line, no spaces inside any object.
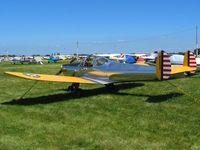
{"x":118,"y":72}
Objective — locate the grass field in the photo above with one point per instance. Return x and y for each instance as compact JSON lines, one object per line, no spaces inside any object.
{"x":141,"y":115}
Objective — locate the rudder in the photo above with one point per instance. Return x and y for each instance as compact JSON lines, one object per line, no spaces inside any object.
{"x":190,"y":60}
{"x":163,"y":66}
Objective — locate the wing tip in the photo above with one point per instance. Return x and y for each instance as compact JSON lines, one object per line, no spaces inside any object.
{"x":7,"y":72}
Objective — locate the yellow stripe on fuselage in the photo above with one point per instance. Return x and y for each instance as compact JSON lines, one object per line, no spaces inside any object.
{"x":104,"y":73}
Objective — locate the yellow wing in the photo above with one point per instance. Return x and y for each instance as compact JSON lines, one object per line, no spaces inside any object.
{"x":52,"y":78}
{"x":181,"y":69}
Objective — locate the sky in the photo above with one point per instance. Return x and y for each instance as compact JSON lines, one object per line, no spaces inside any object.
{"x":100,"y":26}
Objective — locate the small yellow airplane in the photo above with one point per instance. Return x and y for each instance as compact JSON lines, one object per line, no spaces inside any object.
{"x":107,"y":72}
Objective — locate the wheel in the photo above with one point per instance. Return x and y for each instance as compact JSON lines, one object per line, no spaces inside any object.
{"x":187,"y":73}
{"x":70,"y":88}
{"x":111,"y":87}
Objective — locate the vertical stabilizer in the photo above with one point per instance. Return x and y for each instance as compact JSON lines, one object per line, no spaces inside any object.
{"x":163,"y":66}
{"x":190,"y":60}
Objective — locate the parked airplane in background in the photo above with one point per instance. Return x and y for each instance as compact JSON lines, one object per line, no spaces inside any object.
{"x":29,"y":60}
{"x":124,"y":58}
{"x":53,"y":59}
{"x":150,"y":57}
{"x":109,"y":56}
{"x":106,"y":72}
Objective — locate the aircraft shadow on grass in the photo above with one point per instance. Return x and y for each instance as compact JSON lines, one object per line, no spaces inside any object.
{"x":92,"y":92}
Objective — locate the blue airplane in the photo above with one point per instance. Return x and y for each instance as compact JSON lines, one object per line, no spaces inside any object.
{"x":53,"y":59}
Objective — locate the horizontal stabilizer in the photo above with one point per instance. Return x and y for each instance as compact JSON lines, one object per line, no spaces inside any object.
{"x":181,"y":69}
{"x":50,"y":78}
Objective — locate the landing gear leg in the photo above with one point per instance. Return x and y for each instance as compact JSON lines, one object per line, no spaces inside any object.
{"x":59,"y":72}
{"x":187,"y":73}
{"x":111,"y":86}
{"x":74,"y":87}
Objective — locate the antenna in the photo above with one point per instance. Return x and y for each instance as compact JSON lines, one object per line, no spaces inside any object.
{"x":6,"y":55}
{"x":77,"y":48}
{"x":197,"y":43}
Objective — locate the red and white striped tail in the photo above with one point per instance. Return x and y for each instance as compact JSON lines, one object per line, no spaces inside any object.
{"x":192,"y":60}
{"x":163,"y":66}
{"x":166,"y":66}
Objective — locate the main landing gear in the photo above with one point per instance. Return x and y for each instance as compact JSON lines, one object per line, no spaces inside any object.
{"x":111,"y":86}
{"x":74,"y":87}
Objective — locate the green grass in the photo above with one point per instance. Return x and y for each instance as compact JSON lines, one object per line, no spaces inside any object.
{"x":141,"y":115}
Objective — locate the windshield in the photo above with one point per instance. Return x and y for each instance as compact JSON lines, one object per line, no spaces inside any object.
{"x":98,"y":61}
